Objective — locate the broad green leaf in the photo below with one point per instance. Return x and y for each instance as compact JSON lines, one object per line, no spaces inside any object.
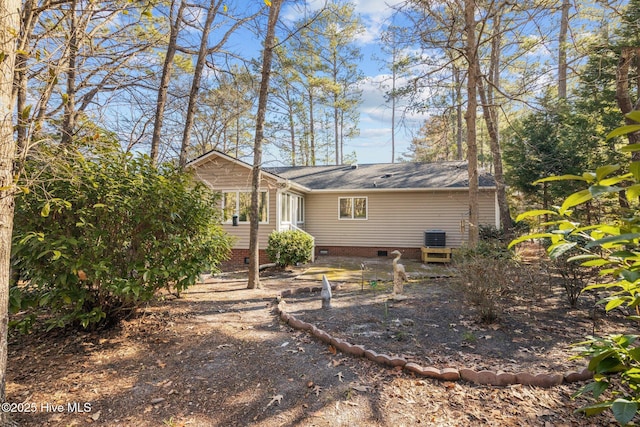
{"x":630,"y":148}
{"x":616,"y":179}
{"x":530,"y":237}
{"x":633,"y":115}
{"x":603,"y":171}
{"x":595,"y":387}
{"x":56,"y":255}
{"x":630,"y":276}
{"x":46,"y":209}
{"x":559,"y":249}
{"x":596,"y":263}
{"x":624,"y":410}
{"x":609,"y":229}
{"x":596,"y":409}
{"x":622,"y":238}
{"x":562,"y":178}
{"x":624,"y":254}
{"x":634,"y":168}
{"x":634,"y":302}
{"x":597,"y":190}
{"x":558,"y":224}
{"x":632,"y":193}
{"x":566,"y":226}
{"x":614,"y":303}
{"x":584,"y":257}
{"x":609,"y":365}
{"x":533,"y":213}
{"x":623,"y":130}
{"x":598,"y":357}
{"x":576,"y":199}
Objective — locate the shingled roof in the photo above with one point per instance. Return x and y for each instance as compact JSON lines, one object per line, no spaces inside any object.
{"x":404,"y":175}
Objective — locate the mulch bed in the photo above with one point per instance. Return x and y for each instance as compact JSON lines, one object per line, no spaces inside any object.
{"x":221,"y":356}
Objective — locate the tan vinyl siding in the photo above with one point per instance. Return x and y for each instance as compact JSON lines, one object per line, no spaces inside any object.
{"x":395,"y":218}
{"x":222,"y":175}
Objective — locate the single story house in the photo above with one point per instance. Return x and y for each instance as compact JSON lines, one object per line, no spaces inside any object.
{"x":350,"y":210}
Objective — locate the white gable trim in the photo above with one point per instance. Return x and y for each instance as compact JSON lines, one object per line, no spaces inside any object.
{"x":211,"y":155}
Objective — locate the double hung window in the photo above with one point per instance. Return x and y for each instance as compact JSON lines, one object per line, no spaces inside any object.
{"x":352,"y":207}
{"x":239,"y":203}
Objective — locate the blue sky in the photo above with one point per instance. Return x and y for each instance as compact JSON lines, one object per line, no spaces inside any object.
{"x":374,"y":143}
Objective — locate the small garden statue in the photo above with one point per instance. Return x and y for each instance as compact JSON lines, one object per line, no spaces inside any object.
{"x":326,"y":292}
{"x":399,"y":275}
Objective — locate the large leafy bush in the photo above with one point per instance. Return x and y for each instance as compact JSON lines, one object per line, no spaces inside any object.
{"x":613,"y":247}
{"x":289,"y":247}
{"x":102,"y":231}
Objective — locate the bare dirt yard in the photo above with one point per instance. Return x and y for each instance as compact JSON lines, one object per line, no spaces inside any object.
{"x":220,"y":356}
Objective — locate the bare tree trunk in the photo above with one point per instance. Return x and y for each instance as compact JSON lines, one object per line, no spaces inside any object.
{"x":69,"y":119}
{"x":214,"y":6}
{"x":623,"y":95}
{"x":336,"y":130}
{"x":267,"y":56}
{"x":491,"y":120}
{"x":292,"y":136}
{"x":341,"y":137}
{"x":9,"y":31}
{"x":458,"y":89}
{"x":562,"y":50}
{"x":393,"y":103}
{"x":312,"y":132}
{"x":164,"y":80}
{"x":20,"y":86}
{"x":472,"y":104}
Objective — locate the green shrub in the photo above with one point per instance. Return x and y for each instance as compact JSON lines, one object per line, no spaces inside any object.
{"x":289,"y":247}
{"x":612,"y":247}
{"x":103,"y":231}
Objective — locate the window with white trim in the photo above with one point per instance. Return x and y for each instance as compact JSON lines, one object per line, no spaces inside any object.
{"x":300,"y":210}
{"x":291,"y":208}
{"x":285,"y":207}
{"x":239,"y":203}
{"x":352,"y":207}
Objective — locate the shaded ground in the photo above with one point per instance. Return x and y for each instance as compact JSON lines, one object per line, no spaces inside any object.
{"x":219,"y":357}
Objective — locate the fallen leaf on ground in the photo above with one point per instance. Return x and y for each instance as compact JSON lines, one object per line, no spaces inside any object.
{"x":275,"y":399}
{"x":339,"y":375}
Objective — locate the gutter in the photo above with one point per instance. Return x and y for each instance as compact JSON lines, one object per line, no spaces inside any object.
{"x":396,"y":190}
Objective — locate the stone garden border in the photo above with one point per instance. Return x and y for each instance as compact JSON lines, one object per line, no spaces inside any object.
{"x":484,"y":377}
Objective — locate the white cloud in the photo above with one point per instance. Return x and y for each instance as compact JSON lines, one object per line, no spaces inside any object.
{"x":375,"y":15}
{"x":373,"y":145}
